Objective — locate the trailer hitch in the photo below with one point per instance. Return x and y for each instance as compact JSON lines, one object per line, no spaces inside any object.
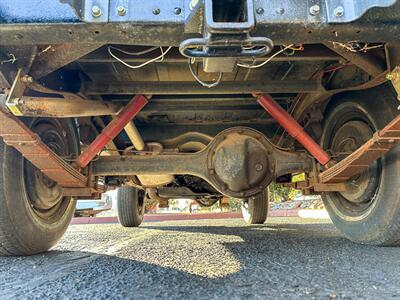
{"x":226,"y":34}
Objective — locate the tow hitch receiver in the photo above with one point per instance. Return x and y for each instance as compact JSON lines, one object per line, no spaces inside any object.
{"x":226,"y":36}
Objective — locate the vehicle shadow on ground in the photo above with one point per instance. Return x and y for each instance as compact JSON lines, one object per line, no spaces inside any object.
{"x":274,"y":261}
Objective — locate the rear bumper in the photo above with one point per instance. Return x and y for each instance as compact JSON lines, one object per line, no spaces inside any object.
{"x":169,"y":22}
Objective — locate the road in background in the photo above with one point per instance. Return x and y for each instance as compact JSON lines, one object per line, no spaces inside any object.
{"x":205,"y":259}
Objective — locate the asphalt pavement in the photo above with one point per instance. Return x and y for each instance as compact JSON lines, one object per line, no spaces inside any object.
{"x":288,"y":258}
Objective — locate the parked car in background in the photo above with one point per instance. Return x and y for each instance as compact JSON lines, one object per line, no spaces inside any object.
{"x":90,"y":208}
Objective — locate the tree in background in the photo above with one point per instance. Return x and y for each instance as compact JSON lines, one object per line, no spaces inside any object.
{"x":235,"y":204}
{"x":150,"y":204}
{"x":279,"y":193}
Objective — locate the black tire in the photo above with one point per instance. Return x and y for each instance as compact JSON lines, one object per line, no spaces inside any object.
{"x":33,"y":213}
{"x":255,"y":209}
{"x":130,"y":206}
{"x":369,"y":212}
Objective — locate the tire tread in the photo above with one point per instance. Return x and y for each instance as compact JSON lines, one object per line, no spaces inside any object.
{"x":127,"y":201}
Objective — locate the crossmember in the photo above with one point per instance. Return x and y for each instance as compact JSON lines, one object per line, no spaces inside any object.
{"x":166,"y":23}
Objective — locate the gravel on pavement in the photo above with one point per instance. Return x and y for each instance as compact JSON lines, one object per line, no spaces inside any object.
{"x":287,"y":258}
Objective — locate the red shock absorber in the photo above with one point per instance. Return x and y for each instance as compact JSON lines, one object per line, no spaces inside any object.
{"x":293,"y":128}
{"x":112,"y":129}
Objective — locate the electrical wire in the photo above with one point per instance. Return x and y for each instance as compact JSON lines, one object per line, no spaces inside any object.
{"x":298,"y":47}
{"x":267,"y":61}
{"x":356,"y":46}
{"x":205,"y":84}
{"x":159,"y":58}
{"x":12,"y":59}
{"x":138,"y":53}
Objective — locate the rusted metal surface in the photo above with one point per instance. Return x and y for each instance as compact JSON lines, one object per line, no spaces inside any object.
{"x":51,"y":107}
{"x":307,"y":187}
{"x":80,"y":192}
{"x":306,"y":101}
{"x":16,"y":134}
{"x":193,"y":88}
{"x":239,"y":162}
{"x":188,"y":142}
{"x":292,"y":127}
{"x":359,"y":160}
{"x":150,"y":181}
{"x":365,"y":61}
{"x":53,"y":57}
{"x":394,"y":77}
{"x":29,"y":82}
{"x":112,"y":129}
{"x":162,"y":202}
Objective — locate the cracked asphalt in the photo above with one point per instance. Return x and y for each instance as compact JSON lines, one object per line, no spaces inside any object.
{"x":288,"y":258}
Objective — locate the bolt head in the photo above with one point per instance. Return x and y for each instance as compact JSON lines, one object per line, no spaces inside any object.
{"x":121,"y":10}
{"x":339,"y":11}
{"x":315,"y":9}
{"x":280,"y":11}
{"x":27,"y":78}
{"x":259,"y":167}
{"x":260,"y":10}
{"x":96,"y":11}
{"x":193,"y":4}
{"x":156,"y":11}
{"x":177,"y":10}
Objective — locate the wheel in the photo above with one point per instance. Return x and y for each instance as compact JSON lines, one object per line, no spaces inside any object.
{"x":33,"y":213}
{"x":369,"y":211}
{"x":255,"y":209}
{"x":130,"y":206}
